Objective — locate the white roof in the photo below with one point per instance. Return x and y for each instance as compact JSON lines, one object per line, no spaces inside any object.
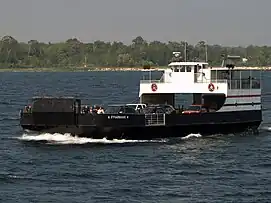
{"x":187,"y":63}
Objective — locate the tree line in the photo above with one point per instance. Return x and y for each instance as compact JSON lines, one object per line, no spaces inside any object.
{"x":73,"y":53}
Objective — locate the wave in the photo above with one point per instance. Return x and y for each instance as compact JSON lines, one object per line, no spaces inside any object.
{"x":192,"y":136}
{"x":57,"y":138}
{"x":67,"y":138}
{"x":265,"y":128}
{"x":9,"y":118}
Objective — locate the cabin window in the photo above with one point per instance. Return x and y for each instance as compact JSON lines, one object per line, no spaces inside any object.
{"x":243,"y":80}
{"x":196,"y":69}
{"x":176,"y":69}
{"x":182,"y":69}
{"x":235,"y":79}
{"x":188,"y":68}
{"x":245,"y":83}
{"x":245,"y":74}
{"x":255,"y":83}
{"x":235,"y":75}
{"x":219,"y":74}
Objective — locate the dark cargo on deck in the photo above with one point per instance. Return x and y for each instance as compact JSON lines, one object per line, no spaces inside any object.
{"x":47,"y":104}
{"x":54,"y":111}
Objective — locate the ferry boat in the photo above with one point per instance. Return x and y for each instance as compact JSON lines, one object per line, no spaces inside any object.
{"x":225,"y":100}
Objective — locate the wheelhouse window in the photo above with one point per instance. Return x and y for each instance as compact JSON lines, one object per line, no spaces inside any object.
{"x":182,"y":68}
{"x":176,"y":68}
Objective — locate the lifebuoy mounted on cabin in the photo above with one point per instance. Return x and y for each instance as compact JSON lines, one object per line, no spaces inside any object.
{"x":154,"y":87}
{"x":211,"y":87}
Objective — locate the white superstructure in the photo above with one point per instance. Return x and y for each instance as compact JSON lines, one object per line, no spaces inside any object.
{"x":225,"y":88}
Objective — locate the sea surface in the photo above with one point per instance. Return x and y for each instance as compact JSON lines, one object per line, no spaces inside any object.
{"x":59,"y":168}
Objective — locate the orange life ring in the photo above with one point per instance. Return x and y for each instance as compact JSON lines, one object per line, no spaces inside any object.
{"x":211,"y":87}
{"x":153,"y":87}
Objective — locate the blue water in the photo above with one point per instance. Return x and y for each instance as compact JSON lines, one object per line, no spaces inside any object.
{"x":60,"y":168}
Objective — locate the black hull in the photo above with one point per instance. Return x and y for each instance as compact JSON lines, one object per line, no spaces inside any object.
{"x":148,"y":133}
{"x":135,"y":127}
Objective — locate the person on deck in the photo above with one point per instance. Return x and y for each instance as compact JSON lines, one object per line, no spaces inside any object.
{"x":94,"y":109}
{"x":100,"y":110}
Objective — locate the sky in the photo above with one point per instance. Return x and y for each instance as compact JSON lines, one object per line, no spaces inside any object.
{"x":226,"y":22}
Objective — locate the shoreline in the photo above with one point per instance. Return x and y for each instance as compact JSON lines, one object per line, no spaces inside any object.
{"x":103,"y":69}
{"x":78,"y":69}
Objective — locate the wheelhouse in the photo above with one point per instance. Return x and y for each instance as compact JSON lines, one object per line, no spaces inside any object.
{"x":218,"y":88}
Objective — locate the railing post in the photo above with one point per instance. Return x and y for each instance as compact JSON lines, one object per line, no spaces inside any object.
{"x":155,"y":119}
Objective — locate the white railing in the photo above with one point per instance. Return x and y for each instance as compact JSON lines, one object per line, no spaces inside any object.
{"x":244,"y":84}
{"x":155,"y":119}
{"x":150,"y":81}
{"x":236,"y":83}
{"x":211,"y":81}
{"x":162,"y":80}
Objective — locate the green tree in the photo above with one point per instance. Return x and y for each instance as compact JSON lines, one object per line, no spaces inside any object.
{"x":75,"y":53}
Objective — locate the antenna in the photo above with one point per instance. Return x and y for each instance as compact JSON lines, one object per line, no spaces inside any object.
{"x":185,"y":51}
{"x":206,"y":52}
{"x":85,"y":65}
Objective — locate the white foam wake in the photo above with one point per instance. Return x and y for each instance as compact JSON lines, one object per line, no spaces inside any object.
{"x":266,"y":128}
{"x":192,"y":136}
{"x":67,"y":138}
